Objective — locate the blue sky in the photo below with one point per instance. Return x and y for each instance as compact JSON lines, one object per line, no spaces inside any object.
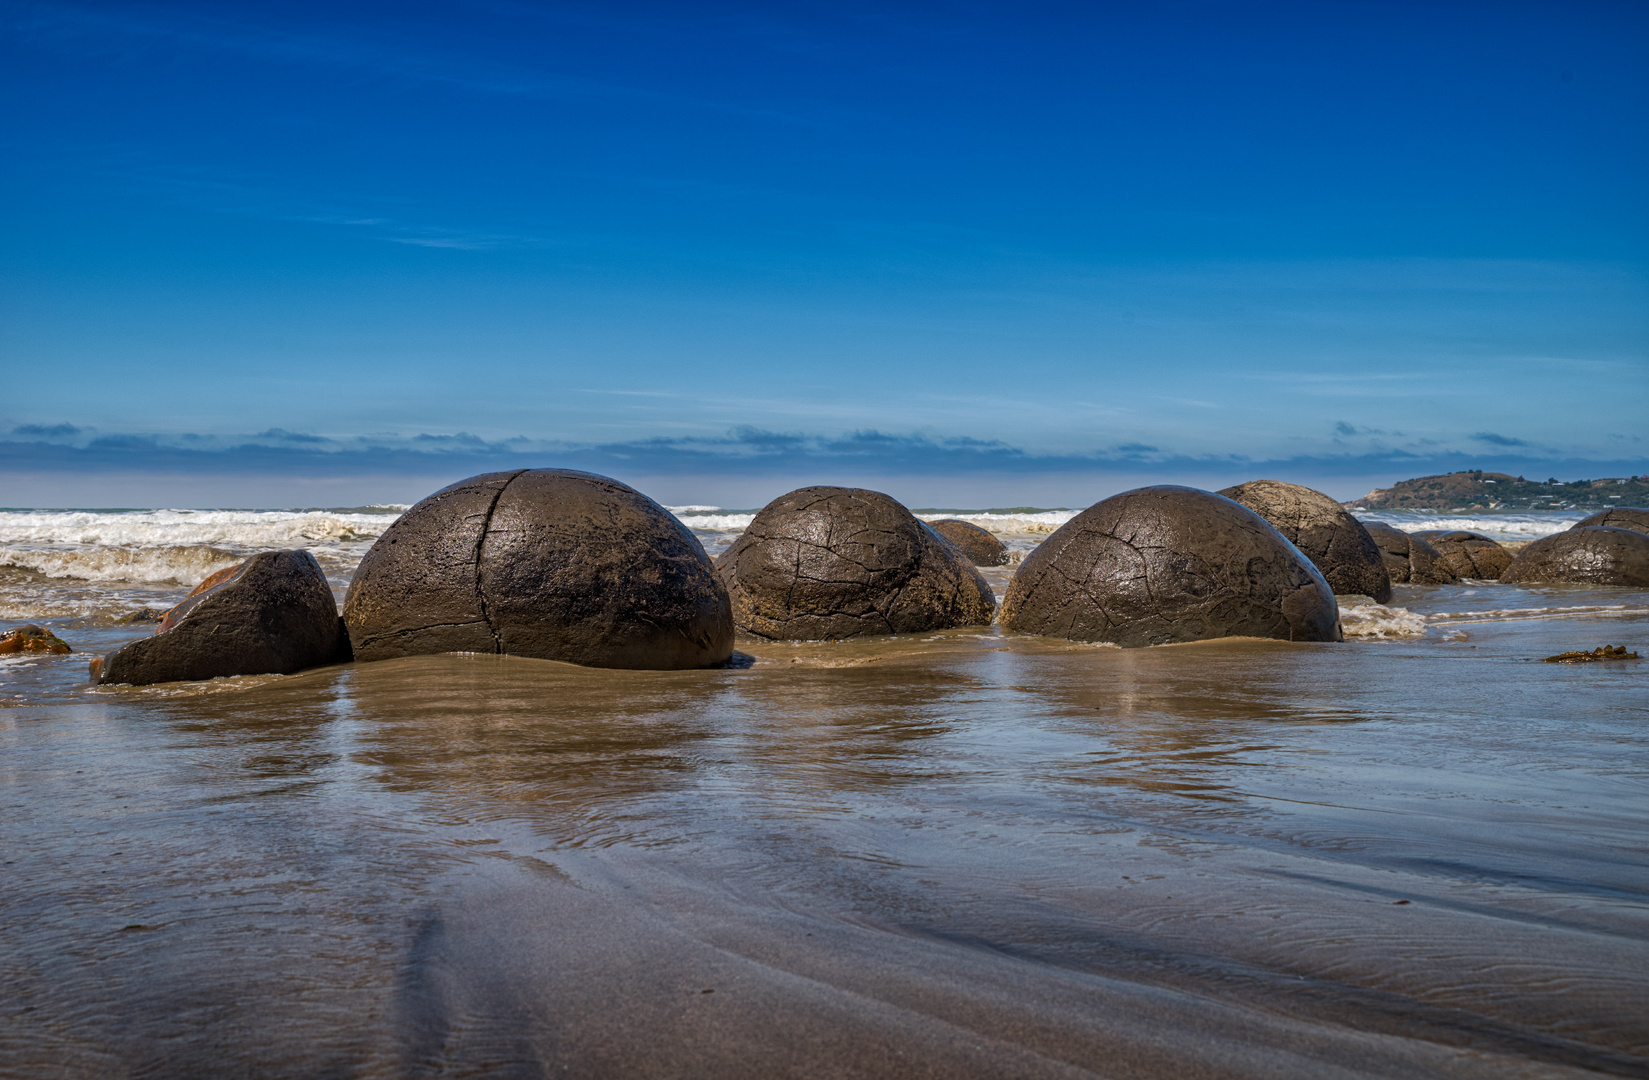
{"x":262,"y":254}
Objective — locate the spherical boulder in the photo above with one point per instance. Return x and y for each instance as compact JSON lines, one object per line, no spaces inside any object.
{"x":1408,"y":558}
{"x":549,"y":563}
{"x":1323,"y":531}
{"x":827,"y":563}
{"x":274,"y":614}
{"x":1166,"y":564}
{"x":1469,"y":554}
{"x":1585,"y":555}
{"x":1619,"y":517}
{"x":979,"y":545}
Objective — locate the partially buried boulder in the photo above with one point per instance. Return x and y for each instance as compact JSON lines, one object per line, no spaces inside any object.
{"x":1409,"y":559}
{"x":1324,"y":532}
{"x":1469,"y":554}
{"x":1167,"y":564}
{"x":1588,"y":555}
{"x":272,"y":614}
{"x":981,"y":548}
{"x":1620,"y":517}
{"x":549,"y":563}
{"x":30,"y":638}
{"x":827,"y":563}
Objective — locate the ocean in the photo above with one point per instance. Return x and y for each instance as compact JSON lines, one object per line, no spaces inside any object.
{"x":1420,"y":852}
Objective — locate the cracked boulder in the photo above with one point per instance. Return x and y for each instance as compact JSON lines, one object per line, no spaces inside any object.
{"x":1619,"y":517}
{"x":1323,"y":531}
{"x":1469,"y":554}
{"x":1165,"y":564}
{"x":1585,"y":555}
{"x":980,"y":547}
{"x":827,"y":563}
{"x":549,"y":563}
{"x":1409,"y":559}
{"x":274,"y":614}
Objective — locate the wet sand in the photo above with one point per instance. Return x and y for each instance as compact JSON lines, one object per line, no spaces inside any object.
{"x":963,"y":855}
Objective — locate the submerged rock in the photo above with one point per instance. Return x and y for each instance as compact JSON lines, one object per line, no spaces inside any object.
{"x":1469,"y":554}
{"x":272,"y":615}
{"x":1619,"y":517}
{"x":549,"y":563}
{"x":1166,"y":564}
{"x":1602,"y":652}
{"x":1585,"y":555}
{"x":1324,"y":531}
{"x":32,"y":639}
{"x":1408,"y":558}
{"x":825,"y":563}
{"x":142,"y":615}
{"x":981,"y":548}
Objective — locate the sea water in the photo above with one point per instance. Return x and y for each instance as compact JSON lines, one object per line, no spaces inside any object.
{"x":1420,"y":852}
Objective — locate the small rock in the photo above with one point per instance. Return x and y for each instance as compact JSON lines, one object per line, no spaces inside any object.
{"x":1602,"y":652}
{"x":32,"y":639}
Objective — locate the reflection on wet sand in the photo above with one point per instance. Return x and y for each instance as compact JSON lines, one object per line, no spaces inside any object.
{"x":964,"y":854}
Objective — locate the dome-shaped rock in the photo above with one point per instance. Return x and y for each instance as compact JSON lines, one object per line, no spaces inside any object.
{"x":30,"y":638}
{"x":826,"y":563}
{"x":1409,"y":559}
{"x":1619,"y":517}
{"x":979,"y":545}
{"x":1469,"y":554}
{"x":1165,"y":564}
{"x":1323,"y":531}
{"x":274,"y":614}
{"x":549,"y":563}
{"x":1585,"y":555}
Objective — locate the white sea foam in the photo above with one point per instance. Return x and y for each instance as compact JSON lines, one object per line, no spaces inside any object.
{"x":1023,"y":523}
{"x":1508,"y":526}
{"x":1372,"y":620}
{"x":244,"y":530}
{"x":707,"y":522}
{"x":1596,"y":611}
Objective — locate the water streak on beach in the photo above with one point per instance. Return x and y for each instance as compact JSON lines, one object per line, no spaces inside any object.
{"x":1416,"y":853}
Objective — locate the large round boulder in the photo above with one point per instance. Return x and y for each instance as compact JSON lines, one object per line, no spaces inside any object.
{"x":1164,"y":564}
{"x":1409,"y":559}
{"x":1324,"y":532}
{"x":1619,"y":517}
{"x":1469,"y":554}
{"x":274,"y":614}
{"x":549,"y":563}
{"x":828,"y":563}
{"x":979,"y":545}
{"x":1585,"y":555}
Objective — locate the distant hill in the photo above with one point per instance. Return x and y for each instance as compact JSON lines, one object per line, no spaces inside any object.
{"x":1478,"y":490}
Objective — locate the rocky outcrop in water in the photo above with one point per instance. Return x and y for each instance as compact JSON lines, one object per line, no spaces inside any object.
{"x":549,"y":563}
{"x":1408,"y":558}
{"x":981,"y":548}
{"x":1621,"y":517}
{"x":1469,"y":554}
{"x":1321,"y":528}
{"x":30,"y":638}
{"x":825,"y":563}
{"x":1585,"y":555}
{"x":1166,"y":564}
{"x":272,"y":615}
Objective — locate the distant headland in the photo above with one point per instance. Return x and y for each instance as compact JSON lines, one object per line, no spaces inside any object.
{"x":1479,"y":490}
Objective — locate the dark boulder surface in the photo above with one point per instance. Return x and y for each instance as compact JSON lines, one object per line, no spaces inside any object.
{"x":1585,"y":555}
{"x":828,"y":563}
{"x":274,"y":614}
{"x":1469,"y":554}
{"x":1620,"y":517}
{"x":1165,"y":564}
{"x":549,"y":563}
{"x":1409,"y":559}
{"x":981,"y":548}
{"x":1324,"y":531}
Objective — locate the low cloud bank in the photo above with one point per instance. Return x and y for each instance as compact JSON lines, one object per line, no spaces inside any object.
{"x":745,"y":460}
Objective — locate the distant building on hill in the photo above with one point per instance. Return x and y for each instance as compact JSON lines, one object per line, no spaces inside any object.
{"x":1479,"y":490}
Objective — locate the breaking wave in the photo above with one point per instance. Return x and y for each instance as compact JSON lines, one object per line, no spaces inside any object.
{"x":245,"y":530}
{"x":1502,"y":527}
{"x":187,"y":565}
{"x":1372,"y":620}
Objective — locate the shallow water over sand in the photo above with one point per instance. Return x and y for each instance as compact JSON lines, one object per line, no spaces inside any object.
{"x":965,"y":854}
